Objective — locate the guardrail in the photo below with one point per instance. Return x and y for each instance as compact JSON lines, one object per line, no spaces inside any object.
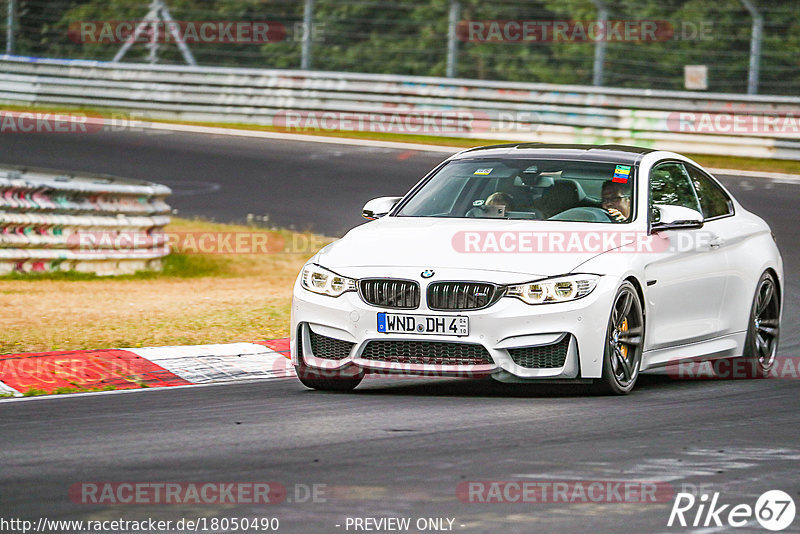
{"x":52,"y":221}
{"x":712,"y":123}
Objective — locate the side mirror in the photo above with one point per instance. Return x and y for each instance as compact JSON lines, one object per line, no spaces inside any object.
{"x":378,"y":207}
{"x":667,"y":217}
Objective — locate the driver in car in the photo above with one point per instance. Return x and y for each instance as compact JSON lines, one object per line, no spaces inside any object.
{"x":501,"y":202}
{"x":497,"y":200}
{"x":500,"y":199}
{"x":616,"y":200}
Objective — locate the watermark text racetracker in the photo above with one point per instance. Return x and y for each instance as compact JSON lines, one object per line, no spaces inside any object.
{"x":406,"y":121}
{"x":403,"y":121}
{"x":199,"y":242}
{"x":581,"y":31}
{"x":571,"y":242}
{"x":65,"y":370}
{"x":741,"y":122}
{"x":24,"y":122}
{"x":147,"y":31}
{"x":564,"y":491}
{"x":182,"y":493}
{"x":732,"y":369}
{"x":192,"y":32}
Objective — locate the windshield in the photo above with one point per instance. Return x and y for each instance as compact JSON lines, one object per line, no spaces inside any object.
{"x":555,"y":190}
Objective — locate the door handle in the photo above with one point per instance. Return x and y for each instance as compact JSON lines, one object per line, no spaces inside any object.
{"x":716,"y":242}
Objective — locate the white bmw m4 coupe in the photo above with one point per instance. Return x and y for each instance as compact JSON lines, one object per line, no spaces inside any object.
{"x":537,"y":263}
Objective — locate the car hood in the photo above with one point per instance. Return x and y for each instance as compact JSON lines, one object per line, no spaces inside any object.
{"x":466,"y":244}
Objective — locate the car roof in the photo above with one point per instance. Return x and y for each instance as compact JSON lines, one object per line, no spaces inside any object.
{"x":598,"y":153}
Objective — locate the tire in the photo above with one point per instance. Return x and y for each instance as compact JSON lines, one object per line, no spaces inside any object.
{"x":763,"y":330}
{"x":328,"y":380}
{"x":624,"y":341}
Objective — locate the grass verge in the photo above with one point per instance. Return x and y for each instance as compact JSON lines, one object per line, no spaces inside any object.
{"x":197,"y":299}
{"x":36,"y":392}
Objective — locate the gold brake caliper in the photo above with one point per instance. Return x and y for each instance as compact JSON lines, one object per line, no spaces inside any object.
{"x":623,"y":347}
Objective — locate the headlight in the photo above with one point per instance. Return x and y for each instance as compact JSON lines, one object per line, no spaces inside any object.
{"x":561,"y":289}
{"x":320,"y":280}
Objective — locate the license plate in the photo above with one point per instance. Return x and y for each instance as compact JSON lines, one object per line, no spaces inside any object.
{"x":445,"y":325}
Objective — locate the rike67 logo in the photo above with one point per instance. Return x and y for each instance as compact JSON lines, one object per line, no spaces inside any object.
{"x":774,"y":510}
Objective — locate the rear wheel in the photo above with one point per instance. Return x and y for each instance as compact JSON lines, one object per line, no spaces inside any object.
{"x":763,"y":328}
{"x":624,"y":340}
{"x":328,"y":380}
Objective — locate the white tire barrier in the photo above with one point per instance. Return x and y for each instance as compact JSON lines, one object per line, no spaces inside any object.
{"x":52,"y":221}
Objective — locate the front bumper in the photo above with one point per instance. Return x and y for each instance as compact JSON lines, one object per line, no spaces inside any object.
{"x":502,"y":327}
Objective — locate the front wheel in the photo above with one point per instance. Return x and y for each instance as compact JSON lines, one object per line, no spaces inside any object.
{"x":328,"y":380}
{"x":624,"y":341}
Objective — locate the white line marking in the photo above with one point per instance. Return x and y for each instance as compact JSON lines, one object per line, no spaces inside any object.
{"x":261,"y":134}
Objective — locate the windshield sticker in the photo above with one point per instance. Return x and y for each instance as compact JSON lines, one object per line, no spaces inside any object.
{"x":621,"y":174}
{"x":483,"y":172}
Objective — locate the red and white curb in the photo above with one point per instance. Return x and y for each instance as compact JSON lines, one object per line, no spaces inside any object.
{"x":149,"y":367}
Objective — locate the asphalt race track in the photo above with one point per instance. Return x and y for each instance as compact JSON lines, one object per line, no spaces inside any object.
{"x":392,"y":448}
{"x":305,"y":185}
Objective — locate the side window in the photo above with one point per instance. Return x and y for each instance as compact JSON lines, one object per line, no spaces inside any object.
{"x":670,"y":184}
{"x":714,"y":201}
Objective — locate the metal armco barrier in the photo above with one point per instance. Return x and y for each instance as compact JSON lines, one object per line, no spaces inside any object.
{"x":52,"y":221}
{"x":711,"y":123}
